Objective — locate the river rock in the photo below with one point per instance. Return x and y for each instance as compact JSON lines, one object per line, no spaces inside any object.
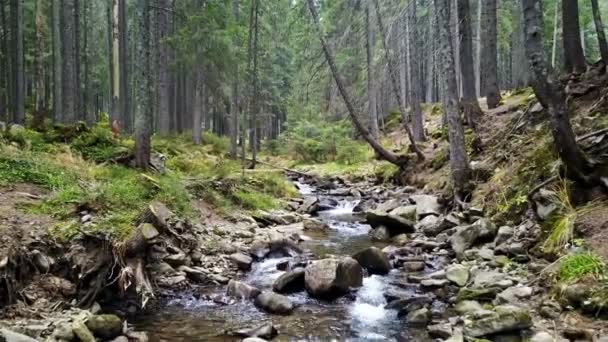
{"x":408,"y":212}
{"x":11,"y":336}
{"x":486,"y":279}
{"x":395,"y":224}
{"x":428,"y":225}
{"x":387,"y":206}
{"x":505,"y":318}
{"x":331,"y":277}
{"x":458,"y":274}
{"x":504,"y":234}
{"x":259,"y":249}
{"x":266,"y":331}
{"x":380,"y":234}
{"x":514,"y":294}
{"x":400,"y":239}
{"x":467,"y":236}
{"x":274,"y":303}
{"x":467,"y":307}
{"x":242,"y":261}
{"x":373,"y":260}
{"x":314,"y":224}
{"x":82,"y":332}
{"x":542,"y":336}
{"x":419,"y":317}
{"x":550,"y":309}
{"x":442,"y":331}
{"x":414,"y":266}
{"x":426,"y":205}
{"x":290,"y":282}
{"x":310,"y":206}
{"x":106,"y":326}
{"x":241,"y":290}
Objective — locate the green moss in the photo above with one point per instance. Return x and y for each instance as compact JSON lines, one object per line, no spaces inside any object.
{"x":254,"y":200}
{"x":385,"y":172}
{"x":440,"y":158}
{"x":580,"y":265}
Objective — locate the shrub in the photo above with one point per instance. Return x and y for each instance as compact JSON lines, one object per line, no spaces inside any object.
{"x":218,"y":144}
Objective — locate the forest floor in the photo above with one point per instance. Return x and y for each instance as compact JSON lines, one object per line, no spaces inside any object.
{"x":79,"y":227}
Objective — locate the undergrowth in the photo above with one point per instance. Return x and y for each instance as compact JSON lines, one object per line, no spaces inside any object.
{"x":577,"y":266}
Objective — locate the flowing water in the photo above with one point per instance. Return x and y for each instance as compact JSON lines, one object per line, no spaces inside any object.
{"x":359,"y":317}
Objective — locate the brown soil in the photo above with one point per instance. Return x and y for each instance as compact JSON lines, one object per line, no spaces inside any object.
{"x":594,"y":227}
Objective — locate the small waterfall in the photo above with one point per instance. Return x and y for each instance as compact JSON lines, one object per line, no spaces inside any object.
{"x":369,"y":318}
{"x":264,"y":273}
{"x":305,"y":189}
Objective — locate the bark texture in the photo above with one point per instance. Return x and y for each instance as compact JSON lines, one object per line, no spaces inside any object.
{"x":601,"y":33}
{"x":573,"y":48}
{"x":458,"y":156}
{"x":143,"y":114}
{"x":489,"y":54}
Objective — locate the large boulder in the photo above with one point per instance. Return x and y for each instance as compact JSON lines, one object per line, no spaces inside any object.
{"x":241,"y":290}
{"x":274,"y":303}
{"x":426,"y":205}
{"x":466,"y":236}
{"x":395,"y":224}
{"x":505,"y":318}
{"x":428,"y":225}
{"x":290,"y":282}
{"x":242,"y":261}
{"x":106,"y":326}
{"x":329,"y":278}
{"x":458,"y":274}
{"x":373,"y":260}
{"x":310,"y":206}
{"x":408,"y":212}
{"x":380,"y":234}
{"x":315,"y":224}
{"x":11,"y":336}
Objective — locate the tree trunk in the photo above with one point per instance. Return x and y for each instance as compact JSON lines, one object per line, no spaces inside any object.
{"x":164,"y":117}
{"x":253,"y":109}
{"x":68,"y":65}
{"x":601,"y":34}
{"x":199,"y":94}
{"x":115,"y":64}
{"x":395,"y":84}
{"x":519,"y":64}
{"x":143,"y":111}
{"x":57,"y":63}
{"x":39,"y":110}
{"x":4,"y":67}
{"x":235,"y":107}
{"x":77,"y":83}
{"x":466,"y":52}
{"x":19,"y":92}
{"x":124,"y":104}
{"x":417,"y":117}
{"x":89,"y":115}
{"x":371,"y":87}
{"x":489,"y":54}
{"x":458,"y":156}
{"x":551,"y":95}
{"x":555,"y":26}
{"x":573,"y":48}
{"x":381,"y":151}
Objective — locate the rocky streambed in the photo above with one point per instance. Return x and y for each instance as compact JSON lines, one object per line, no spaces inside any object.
{"x":367,"y":263}
{"x":352,"y":262}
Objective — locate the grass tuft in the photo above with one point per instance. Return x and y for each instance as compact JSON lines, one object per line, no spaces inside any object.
{"x":577,"y":266}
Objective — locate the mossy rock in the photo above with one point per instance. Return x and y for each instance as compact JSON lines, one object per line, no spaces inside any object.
{"x":487,"y":294}
{"x":105,"y":326}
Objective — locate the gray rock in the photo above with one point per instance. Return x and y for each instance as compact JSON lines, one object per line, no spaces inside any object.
{"x":428,"y":225}
{"x":106,"y":326}
{"x":426,"y":205}
{"x":331,"y":277}
{"x":310,"y":206}
{"x":458,"y":274}
{"x":387,"y":206}
{"x":407,"y":212}
{"x":314,"y":224}
{"x":290,"y":282}
{"x":11,"y":336}
{"x":513,"y":295}
{"x":414,"y":266}
{"x":400,"y":239}
{"x":434,"y":282}
{"x":374,"y":260}
{"x":486,"y":279}
{"x":542,"y":336}
{"x":442,"y":331}
{"x":457,"y":336}
{"x":419,"y":317}
{"x":274,"y":303}
{"x":466,"y":236}
{"x":380,"y":234}
{"x":241,"y":290}
{"x":259,"y":249}
{"x":467,"y":307}
{"x":242,"y":261}
{"x":82,"y":332}
{"x":266,"y":331}
{"x":41,"y":261}
{"x":486,"y":254}
{"x":120,"y":339}
{"x":550,"y":309}
{"x":63,"y":331}
{"x":504,"y":234}
{"x":395,"y":224}
{"x":505,"y":318}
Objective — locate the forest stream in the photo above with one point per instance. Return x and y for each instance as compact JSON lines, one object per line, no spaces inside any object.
{"x":359,"y":316}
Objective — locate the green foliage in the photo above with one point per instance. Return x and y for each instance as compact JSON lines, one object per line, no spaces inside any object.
{"x":254,"y":200}
{"x":577,"y":266}
{"x":386,"y":171}
{"x":15,"y":169}
{"x":218,"y":144}
{"x":99,"y":145}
